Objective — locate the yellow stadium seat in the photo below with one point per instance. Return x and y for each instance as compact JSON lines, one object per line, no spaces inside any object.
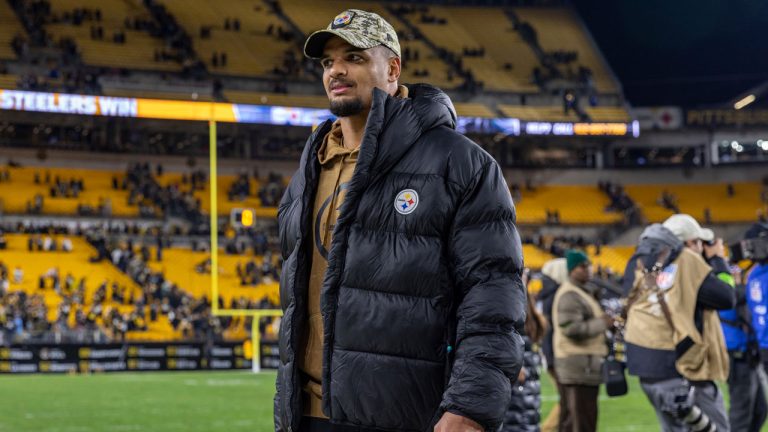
{"x":250,"y":51}
{"x":138,"y":51}
{"x":693,"y":199}
{"x":9,"y":28}
{"x":560,"y":29}
{"x":98,"y":187}
{"x":224,"y":205}
{"x":8,"y":81}
{"x":473,"y":110}
{"x":576,"y":204}
{"x":613,"y":257}
{"x":178,"y":266}
{"x":76,"y":263}
{"x":538,"y":113}
{"x":534,"y":257}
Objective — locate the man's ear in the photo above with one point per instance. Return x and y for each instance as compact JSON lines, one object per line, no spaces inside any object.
{"x":394,"y":69}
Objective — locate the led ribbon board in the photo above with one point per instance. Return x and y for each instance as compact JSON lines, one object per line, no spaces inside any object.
{"x":61,"y":103}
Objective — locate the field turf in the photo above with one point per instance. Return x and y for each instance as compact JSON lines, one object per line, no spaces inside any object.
{"x":199,"y":401}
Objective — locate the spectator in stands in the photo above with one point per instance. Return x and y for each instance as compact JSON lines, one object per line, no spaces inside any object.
{"x":49,"y":244}
{"x":669,"y":201}
{"x":579,"y":325}
{"x":66,"y":244}
{"x":672,"y":255}
{"x":384,"y":135}
{"x":18,"y":275}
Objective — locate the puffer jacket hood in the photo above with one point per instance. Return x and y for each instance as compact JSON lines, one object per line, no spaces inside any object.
{"x":419,"y":308}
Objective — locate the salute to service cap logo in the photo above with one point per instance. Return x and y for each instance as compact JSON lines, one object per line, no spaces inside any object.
{"x":406,"y":201}
{"x":342,"y":19}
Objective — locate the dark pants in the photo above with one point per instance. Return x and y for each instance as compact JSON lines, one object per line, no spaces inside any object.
{"x":311,"y":424}
{"x":578,"y":408}
{"x":748,"y":408}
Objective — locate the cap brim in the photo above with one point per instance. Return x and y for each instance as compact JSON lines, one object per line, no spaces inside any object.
{"x":315,"y":44}
{"x":707,"y":234}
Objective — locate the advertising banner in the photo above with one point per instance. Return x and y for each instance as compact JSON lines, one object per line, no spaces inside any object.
{"x":71,"y":358}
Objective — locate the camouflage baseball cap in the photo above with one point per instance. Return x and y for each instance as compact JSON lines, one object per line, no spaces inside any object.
{"x":360,"y":28}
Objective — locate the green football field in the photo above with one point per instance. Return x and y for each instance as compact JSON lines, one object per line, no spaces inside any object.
{"x":198,"y":401}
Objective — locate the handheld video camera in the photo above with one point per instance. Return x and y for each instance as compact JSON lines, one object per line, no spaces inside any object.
{"x":753,"y":249}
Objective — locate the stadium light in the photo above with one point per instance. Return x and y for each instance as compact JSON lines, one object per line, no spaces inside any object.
{"x":744,"y":102}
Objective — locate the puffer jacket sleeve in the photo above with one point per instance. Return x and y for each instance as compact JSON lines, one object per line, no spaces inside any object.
{"x":287,"y":219}
{"x":487,"y":263}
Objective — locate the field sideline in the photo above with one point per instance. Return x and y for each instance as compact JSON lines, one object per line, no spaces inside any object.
{"x":198,"y":401}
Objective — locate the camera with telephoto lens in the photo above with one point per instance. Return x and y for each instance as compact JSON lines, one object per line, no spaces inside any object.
{"x":679,"y":403}
{"x":754,"y":247}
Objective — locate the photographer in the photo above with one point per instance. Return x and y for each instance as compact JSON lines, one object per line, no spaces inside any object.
{"x":673,"y":338}
{"x":755,"y":248}
{"x":748,"y":406}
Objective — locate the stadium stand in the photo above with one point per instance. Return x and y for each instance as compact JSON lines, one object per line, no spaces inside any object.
{"x":191,"y":271}
{"x":469,"y":27}
{"x":77,"y":263}
{"x":244,"y":282}
{"x":694,"y":199}
{"x":538,"y":113}
{"x":251,"y":49}
{"x":535,"y":257}
{"x":138,"y":50}
{"x":9,"y":29}
{"x":96,"y":193}
{"x":560,"y":29}
{"x":575,"y":204}
{"x":225,"y":201}
{"x":610,"y":257}
{"x":8,"y":81}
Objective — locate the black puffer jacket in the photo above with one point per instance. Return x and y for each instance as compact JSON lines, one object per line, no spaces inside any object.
{"x":419,"y":309}
{"x":523,"y":412}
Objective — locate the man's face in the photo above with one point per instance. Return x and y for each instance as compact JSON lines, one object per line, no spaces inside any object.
{"x":582,"y":273}
{"x":695,"y":245}
{"x":350,"y":74}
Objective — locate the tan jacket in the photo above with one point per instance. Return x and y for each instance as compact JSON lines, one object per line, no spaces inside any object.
{"x":707,"y":358}
{"x":579,"y":336}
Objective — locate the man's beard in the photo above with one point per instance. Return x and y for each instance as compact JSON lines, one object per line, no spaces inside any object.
{"x":347,"y":108}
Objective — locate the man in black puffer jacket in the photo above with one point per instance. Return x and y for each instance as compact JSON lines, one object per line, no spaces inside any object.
{"x":401,"y":282}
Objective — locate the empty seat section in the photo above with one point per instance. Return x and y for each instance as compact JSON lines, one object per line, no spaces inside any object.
{"x":560,"y":30}
{"x":138,"y":51}
{"x":576,"y":205}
